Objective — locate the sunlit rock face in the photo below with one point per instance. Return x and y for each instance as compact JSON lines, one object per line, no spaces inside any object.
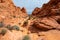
{"x":50,"y":8}
{"x":43,"y":24}
{"x":8,"y":11}
{"x":48,"y":16}
{"x":11,"y":15}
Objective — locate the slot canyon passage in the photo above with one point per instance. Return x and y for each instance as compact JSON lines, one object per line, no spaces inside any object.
{"x":42,"y":24}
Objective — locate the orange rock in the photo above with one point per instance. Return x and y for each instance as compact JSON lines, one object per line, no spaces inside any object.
{"x":48,"y":15}
{"x":50,"y":35}
{"x":36,"y":10}
{"x":23,"y":10}
{"x":46,"y":9}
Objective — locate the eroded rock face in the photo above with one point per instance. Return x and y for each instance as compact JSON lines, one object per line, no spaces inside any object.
{"x":50,"y":35}
{"x":36,"y":10}
{"x":51,"y":8}
{"x":48,"y":15}
{"x":11,"y":15}
{"x":23,"y":10}
{"x":44,"y":24}
{"x":9,"y":11}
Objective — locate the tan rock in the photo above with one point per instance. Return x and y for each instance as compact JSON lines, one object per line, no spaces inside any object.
{"x":51,"y":35}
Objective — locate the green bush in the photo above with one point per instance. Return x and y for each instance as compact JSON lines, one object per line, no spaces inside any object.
{"x":26,"y":37}
{"x":15,"y":27}
{"x":9,"y":27}
{"x":3,"y":31}
{"x":1,"y":24}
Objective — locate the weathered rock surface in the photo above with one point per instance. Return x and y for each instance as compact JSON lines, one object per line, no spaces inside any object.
{"x":44,"y":24}
{"x":51,"y":8}
{"x":23,"y":10}
{"x":36,"y":10}
{"x":50,"y":35}
{"x":48,"y":15}
{"x":9,"y":11}
{"x":11,"y":15}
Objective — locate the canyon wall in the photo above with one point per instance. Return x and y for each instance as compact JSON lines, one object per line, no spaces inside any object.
{"x":42,"y":24}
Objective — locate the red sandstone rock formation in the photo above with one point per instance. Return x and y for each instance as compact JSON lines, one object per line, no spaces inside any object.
{"x":45,"y":26}
{"x":23,"y":10}
{"x":11,"y":15}
{"x":49,"y":15}
{"x":8,"y":11}
{"x":36,"y":10}
{"x":51,"y":8}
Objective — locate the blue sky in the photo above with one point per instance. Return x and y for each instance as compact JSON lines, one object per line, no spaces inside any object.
{"x":30,"y":4}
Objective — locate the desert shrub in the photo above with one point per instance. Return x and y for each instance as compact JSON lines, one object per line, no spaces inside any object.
{"x":26,"y":37}
{"x":15,"y":27}
{"x":3,"y":31}
{"x":9,"y":27}
{"x":1,"y":24}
